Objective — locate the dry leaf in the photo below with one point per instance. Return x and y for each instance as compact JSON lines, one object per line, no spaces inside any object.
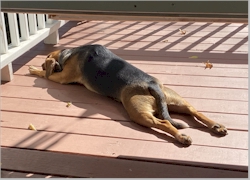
{"x":208,"y":65}
{"x":182,"y":31}
{"x":32,"y":127}
{"x":68,"y":104}
{"x":165,"y":40}
{"x":193,"y":57}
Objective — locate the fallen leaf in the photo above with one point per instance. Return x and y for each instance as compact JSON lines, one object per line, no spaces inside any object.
{"x":182,"y":31}
{"x":68,"y":104}
{"x":193,"y":57}
{"x":165,"y":40}
{"x":208,"y":65}
{"x":32,"y":127}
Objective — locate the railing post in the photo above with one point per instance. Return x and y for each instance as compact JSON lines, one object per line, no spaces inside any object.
{"x":7,"y":73}
{"x":54,"y":37}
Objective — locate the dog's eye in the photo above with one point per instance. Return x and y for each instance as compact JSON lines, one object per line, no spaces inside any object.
{"x":48,"y":56}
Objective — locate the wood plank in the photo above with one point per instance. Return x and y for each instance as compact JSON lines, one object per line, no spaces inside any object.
{"x":215,"y":157}
{"x":226,"y":119}
{"x":181,"y":80}
{"x":59,"y":108}
{"x":197,"y":69}
{"x":38,"y":59}
{"x":123,"y":130}
{"x":82,"y":24}
{"x":215,"y":106}
{"x":156,"y":36}
{"x":45,"y":50}
{"x":168,"y":26}
{"x":198,"y":81}
{"x":161,"y":46}
{"x":16,"y":174}
{"x":153,"y":38}
{"x":66,"y":91}
{"x":101,"y":167}
{"x":224,"y":106}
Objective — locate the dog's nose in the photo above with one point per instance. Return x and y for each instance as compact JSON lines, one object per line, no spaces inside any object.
{"x":43,"y":66}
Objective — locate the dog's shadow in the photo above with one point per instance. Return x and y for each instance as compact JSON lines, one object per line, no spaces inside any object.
{"x":98,"y":106}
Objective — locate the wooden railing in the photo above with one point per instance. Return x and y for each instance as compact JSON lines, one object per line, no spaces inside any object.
{"x":25,"y":30}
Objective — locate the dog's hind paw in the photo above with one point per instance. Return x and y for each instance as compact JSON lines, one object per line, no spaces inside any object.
{"x":219,"y":129}
{"x":184,"y":139}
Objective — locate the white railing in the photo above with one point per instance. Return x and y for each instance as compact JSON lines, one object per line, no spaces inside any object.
{"x":33,"y":29}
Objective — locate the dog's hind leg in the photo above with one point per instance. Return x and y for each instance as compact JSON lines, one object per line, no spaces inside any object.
{"x":141,"y":109}
{"x":156,"y":90}
{"x":177,"y":104}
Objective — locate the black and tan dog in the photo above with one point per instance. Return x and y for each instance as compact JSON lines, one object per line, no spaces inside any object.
{"x":144,"y":97}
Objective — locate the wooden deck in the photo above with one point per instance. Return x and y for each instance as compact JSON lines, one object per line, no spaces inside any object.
{"x":94,"y":136}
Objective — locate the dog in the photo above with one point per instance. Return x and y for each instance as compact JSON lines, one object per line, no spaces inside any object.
{"x":144,"y":97}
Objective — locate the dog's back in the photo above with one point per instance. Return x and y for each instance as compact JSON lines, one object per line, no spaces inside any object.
{"x":107,"y":73}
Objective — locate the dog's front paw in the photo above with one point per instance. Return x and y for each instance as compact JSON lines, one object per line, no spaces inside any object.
{"x":219,"y":129}
{"x":184,"y":139}
{"x":35,"y":71}
{"x":32,"y":69}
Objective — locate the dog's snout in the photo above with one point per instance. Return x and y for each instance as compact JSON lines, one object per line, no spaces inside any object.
{"x":43,"y":66}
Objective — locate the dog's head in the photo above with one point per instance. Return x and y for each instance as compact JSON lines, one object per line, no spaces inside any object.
{"x":51,"y":63}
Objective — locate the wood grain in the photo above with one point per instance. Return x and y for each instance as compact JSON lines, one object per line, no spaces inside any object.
{"x":101,"y":167}
{"x":95,"y":137}
{"x":133,"y":149}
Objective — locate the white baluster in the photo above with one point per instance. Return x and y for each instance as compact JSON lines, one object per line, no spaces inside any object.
{"x":41,"y":21}
{"x":14,"y":33}
{"x":3,"y":37}
{"x":49,"y":21}
{"x":32,"y":23}
{"x":24,"y":26}
{"x":7,"y":71}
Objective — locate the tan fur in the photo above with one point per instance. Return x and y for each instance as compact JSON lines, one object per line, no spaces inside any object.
{"x":137,"y":100}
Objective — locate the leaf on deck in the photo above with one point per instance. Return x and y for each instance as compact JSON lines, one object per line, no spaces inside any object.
{"x":183,"y":31}
{"x":193,"y":57}
{"x":208,"y":65}
{"x":32,"y":127}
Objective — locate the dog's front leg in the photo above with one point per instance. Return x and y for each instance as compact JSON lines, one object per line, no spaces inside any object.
{"x":59,"y":77}
{"x":35,"y":71}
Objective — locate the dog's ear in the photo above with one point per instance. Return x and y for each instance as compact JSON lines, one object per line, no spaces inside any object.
{"x":49,"y":55}
{"x":49,"y":66}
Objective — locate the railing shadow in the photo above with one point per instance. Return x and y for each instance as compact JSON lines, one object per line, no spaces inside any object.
{"x":147,"y":55}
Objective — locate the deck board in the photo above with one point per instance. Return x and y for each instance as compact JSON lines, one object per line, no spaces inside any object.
{"x":188,"y":92}
{"x":116,"y":147}
{"x":97,"y":130}
{"x":121,"y":129}
{"x":97,"y":167}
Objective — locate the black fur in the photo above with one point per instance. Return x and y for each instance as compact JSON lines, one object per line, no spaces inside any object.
{"x":108,"y":74}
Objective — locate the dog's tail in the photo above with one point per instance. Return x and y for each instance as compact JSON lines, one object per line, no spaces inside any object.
{"x":161,"y":104}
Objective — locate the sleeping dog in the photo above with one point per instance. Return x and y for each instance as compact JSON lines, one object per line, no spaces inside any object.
{"x":144,"y":97}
